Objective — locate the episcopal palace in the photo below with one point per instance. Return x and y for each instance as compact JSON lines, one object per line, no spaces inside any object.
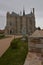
{"x":20,"y":24}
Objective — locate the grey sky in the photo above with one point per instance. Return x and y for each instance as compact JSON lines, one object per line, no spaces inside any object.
{"x":17,"y":6}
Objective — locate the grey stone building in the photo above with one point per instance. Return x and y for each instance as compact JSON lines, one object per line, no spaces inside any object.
{"x":17,"y":24}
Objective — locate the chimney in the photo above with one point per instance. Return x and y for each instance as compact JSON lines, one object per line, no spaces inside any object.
{"x":23,"y":11}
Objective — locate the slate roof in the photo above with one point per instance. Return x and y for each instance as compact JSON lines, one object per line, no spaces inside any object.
{"x":14,"y":14}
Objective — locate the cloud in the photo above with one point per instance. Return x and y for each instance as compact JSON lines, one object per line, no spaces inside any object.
{"x":2,"y":22}
{"x":17,"y":6}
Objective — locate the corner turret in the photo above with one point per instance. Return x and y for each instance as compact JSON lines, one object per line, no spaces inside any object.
{"x":33,"y":11}
{"x":23,"y":12}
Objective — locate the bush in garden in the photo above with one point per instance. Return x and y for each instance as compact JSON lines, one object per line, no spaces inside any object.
{"x":14,"y":44}
{"x":2,"y":36}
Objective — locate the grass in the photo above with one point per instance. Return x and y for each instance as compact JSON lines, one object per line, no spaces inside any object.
{"x":15,"y":56}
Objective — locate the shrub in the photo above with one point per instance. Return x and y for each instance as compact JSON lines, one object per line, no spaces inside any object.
{"x":26,"y":39}
{"x":14,"y":44}
{"x":2,"y":36}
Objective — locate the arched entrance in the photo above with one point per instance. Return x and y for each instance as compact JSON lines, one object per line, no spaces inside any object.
{"x":11,"y":31}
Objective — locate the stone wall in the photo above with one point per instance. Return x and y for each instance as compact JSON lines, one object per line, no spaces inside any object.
{"x":36,"y":47}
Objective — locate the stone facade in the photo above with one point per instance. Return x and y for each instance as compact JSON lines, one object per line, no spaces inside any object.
{"x":35,"y":45}
{"x":17,"y":24}
{"x":35,"y":41}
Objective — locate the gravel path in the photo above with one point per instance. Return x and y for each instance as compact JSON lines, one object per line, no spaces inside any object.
{"x":4,"y":44}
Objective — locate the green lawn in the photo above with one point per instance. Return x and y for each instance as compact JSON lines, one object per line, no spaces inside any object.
{"x":15,"y":56}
